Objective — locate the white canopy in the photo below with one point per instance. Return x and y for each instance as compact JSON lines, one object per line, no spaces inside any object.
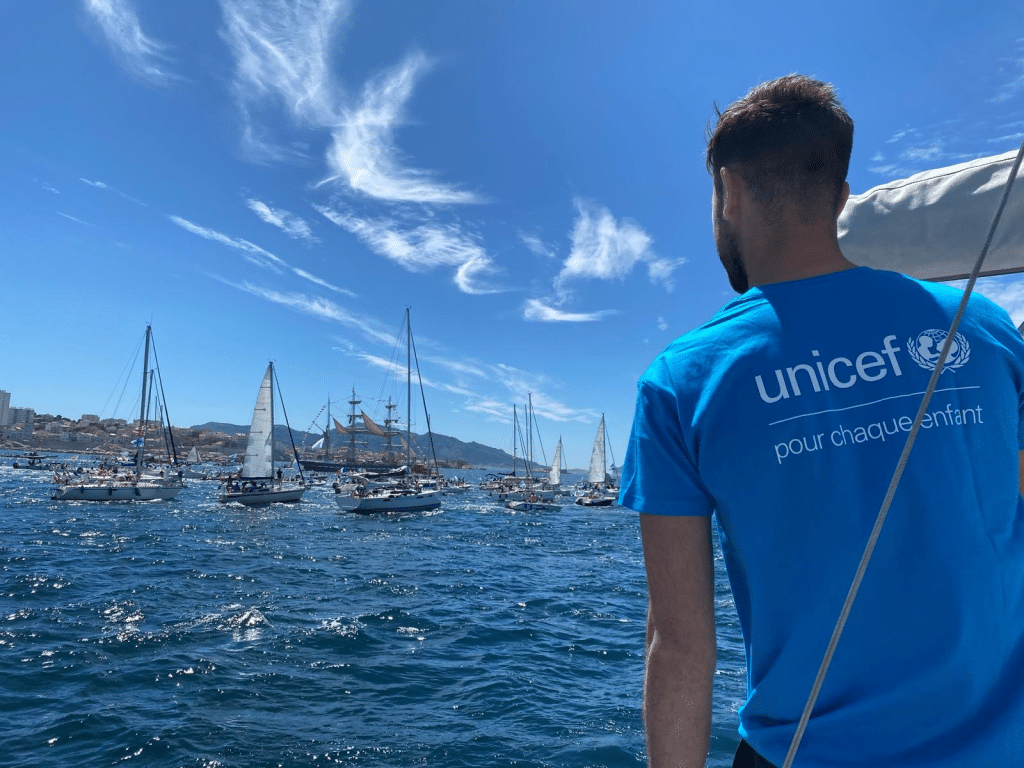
{"x":933,"y":225}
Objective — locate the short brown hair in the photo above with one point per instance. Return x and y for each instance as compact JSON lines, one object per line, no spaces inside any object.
{"x":789,"y":139}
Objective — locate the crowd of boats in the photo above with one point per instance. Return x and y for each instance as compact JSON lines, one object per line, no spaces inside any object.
{"x":357,"y":487}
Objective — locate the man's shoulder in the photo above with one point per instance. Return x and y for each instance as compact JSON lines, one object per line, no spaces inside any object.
{"x":715,"y":342}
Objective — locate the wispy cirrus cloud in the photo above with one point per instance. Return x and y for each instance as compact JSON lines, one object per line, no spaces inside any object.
{"x":315,"y":306}
{"x":534,"y":309}
{"x":1011,"y":69}
{"x":538,"y":246}
{"x":364,"y":155}
{"x":107,"y":188}
{"x":282,"y":52}
{"x":422,"y":247}
{"x":253,"y":253}
{"x":74,"y":219}
{"x":292,"y":225}
{"x":139,"y":54}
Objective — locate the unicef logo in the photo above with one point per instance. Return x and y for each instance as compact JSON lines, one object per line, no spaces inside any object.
{"x":927,"y":347}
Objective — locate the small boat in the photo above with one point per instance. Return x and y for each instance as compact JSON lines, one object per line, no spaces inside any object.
{"x":256,"y":484}
{"x":121,"y":483}
{"x":596,"y":500}
{"x":32,"y":460}
{"x":533,"y":506}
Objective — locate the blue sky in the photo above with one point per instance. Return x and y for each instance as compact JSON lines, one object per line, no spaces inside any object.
{"x":279,"y":180}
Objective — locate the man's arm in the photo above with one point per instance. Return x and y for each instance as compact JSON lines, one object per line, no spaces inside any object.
{"x":680,"y":662}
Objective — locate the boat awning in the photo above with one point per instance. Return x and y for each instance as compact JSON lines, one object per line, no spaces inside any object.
{"x":933,"y":225}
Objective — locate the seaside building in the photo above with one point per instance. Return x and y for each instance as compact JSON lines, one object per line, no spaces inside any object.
{"x":5,"y":407}
{"x":20,"y":416}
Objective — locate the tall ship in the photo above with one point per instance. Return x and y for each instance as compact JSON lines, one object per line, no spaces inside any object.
{"x":356,"y":455}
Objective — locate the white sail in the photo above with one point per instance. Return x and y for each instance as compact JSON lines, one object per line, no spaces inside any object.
{"x":193,"y":456}
{"x":597,"y":465}
{"x":258,"y":451}
{"x":931,"y":225}
{"x":555,"y":476}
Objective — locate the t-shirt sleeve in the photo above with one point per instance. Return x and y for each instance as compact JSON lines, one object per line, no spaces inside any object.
{"x":659,"y":474}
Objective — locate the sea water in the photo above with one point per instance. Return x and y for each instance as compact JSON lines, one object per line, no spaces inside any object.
{"x":191,"y":633}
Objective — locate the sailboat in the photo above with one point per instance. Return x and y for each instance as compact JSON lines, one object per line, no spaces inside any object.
{"x":257,"y":483}
{"x":600,"y":486}
{"x":114,"y":485}
{"x":359,"y":495}
{"x":536,"y":494}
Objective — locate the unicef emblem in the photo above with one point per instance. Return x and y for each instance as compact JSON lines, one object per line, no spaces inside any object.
{"x":927,"y":347}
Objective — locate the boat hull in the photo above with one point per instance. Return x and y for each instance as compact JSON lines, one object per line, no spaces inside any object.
{"x":96,"y":492}
{"x":409,"y":502}
{"x":605,"y":501}
{"x":533,"y":506}
{"x":258,"y":497}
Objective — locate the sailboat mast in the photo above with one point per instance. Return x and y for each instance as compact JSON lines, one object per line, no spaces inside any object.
{"x":529,"y":427}
{"x":327,"y":432}
{"x":515,"y":436}
{"x":272,"y":374}
{"x":408,"y":393}
{"x":142,"y":407}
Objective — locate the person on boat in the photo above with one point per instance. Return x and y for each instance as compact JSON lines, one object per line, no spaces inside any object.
{"x":785,"y":415}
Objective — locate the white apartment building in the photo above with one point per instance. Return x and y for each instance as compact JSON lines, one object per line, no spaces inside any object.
{"x":20,"y":416}
{"x":5,"y":407}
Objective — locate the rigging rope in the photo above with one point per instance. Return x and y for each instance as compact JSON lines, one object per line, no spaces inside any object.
{"x":869,"y":548}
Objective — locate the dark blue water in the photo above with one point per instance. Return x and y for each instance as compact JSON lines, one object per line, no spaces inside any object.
{"x":190,"y":633}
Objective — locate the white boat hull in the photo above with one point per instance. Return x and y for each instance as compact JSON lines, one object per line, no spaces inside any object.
{"x":389,"y":502}
{"x":533,"y":506}
{"x":115,"y":492}
{"x":257,"y":497}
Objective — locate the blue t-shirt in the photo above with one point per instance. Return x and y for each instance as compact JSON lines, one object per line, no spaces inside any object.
{"x":785,"y":414}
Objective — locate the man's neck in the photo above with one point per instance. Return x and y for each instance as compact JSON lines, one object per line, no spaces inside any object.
{"x":779,"y":254}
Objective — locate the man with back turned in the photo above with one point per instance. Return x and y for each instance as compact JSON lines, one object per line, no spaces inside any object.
{"x":785,"y":415}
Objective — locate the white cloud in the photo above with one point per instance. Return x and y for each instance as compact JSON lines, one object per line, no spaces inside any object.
{"x":534,"y":309}
{"x":364,"y":155}
{"x":608,"y":249}
{"x":1012,"y":70}
{"x":74,"y":219}
{"x":50,"y":188}
{"x":252,"y":252}
{"x":97,"y":184}
{"x":538,"y":246}
{"x":421,"y":247}
{"x":316,"y":306}
{"x":282,"y":52}
{"x":283,"y":49}
{"x":321,"y":282}
{"x":662,"y":325}
{"x":139,"y":54}
{"x":289,"y":223}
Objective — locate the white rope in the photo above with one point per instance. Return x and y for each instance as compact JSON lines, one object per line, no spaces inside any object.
{"x":869,"y":549}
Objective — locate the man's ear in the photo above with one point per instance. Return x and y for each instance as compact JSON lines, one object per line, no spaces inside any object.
{"x":844,"y":195}
{"x":732,"y":195}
